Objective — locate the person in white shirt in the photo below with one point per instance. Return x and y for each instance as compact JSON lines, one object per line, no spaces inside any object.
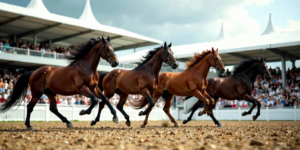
{"x":272,"y":93}
{"x":64,"y":101}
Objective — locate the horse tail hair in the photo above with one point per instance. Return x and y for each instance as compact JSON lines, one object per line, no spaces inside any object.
{"x":186,"y":98}
{"x":100,"y":83}
{"x":138,"y":104}
{"x":188,"y":110}
{"x":18,"y":92}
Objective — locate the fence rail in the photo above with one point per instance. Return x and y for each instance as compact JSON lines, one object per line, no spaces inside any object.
{"x":42,"y":113}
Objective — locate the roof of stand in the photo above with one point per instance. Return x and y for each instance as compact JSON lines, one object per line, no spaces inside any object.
{"x":271,"y":44}
{"x":61,"y":30}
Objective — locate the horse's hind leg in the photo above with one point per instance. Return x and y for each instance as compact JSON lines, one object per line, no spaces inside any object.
{"x":35,"y":98}
{"x":168,"y":103}
{"x":123,"y":99}
{"x":53,"y":108}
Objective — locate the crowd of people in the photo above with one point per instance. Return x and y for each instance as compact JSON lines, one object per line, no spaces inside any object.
{"x":269,"y":93}
{"x":8,"y":80}
{"x":21,"y":47}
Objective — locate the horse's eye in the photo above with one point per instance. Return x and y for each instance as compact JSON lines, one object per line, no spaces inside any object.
{"x":216,"y":58}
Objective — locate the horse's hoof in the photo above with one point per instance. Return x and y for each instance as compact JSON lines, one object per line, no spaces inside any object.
{"x":82,"y":112}
{"x":219,"y":125}
{"x":254,"y":118}
{"x":143,"y":126}
{"x":128,"y":123}
{"x":200,"y":113}
{"x":176,"y":125}
{"x":93,"y":122}
{"x":30,"y":128}
{"x":244,"y":113}
{"x":70,"y":125}
{"x":116,"y":120}
{"x":185,"y":121}
{"x":141,"y":113}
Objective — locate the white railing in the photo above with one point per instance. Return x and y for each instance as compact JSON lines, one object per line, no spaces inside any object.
{"x":59,"y":56}
{"x":41,"y":112}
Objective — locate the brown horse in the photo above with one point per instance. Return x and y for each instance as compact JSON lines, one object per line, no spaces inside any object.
{"x":239,"y":86}
{"x":141,"y":80}
{"x":79,"y":77}
{"x":191,"y":81}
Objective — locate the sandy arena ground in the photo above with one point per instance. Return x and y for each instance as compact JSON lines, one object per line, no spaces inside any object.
{"x":194,"y":135}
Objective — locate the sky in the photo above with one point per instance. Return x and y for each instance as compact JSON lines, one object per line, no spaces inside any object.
{"x":183,"y":21}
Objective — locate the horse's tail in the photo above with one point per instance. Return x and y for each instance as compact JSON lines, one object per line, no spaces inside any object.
{"x":100,"y":83}
{"x":17,"y":94}
{"x":138,"y":104}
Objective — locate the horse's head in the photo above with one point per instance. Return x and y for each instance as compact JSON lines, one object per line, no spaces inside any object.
{"x":168,"y":56}
{"x":108,"y":53}
{"x":216,"y":61}
{"x":263,"y":69}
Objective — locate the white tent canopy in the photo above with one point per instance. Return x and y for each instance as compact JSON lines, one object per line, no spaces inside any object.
{"x":22,"y":23}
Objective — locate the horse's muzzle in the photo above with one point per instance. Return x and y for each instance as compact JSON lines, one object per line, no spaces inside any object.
{"x":222,"y":71}
{"x":174,"y":65}
{"x":114,"y":63}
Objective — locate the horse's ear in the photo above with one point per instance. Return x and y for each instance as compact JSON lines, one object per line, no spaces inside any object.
{"x":217,"y":50}
{"x":103,"y":40}
{"x":108,"y":39}
{"x":265,"y":59}
{"x":212,"y":49}
{"x":170,"y":45}
{"x":261,"y":60}
{"x":165,"y":45}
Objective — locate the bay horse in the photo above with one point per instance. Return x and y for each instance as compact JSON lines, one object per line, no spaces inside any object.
{"x":141,"y":80}
{"x":192,"y":81}
{"x":238,"y":86}
{"x":79,"y":77}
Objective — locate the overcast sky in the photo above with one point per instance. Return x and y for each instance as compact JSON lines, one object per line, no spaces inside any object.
{"x":184,"y":21}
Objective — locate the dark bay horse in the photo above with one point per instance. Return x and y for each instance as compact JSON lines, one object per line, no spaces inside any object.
{"x":79,"y":77}
{"x":141,"y":80}
{"x":239,"y":86}
{"x":192,"y":81}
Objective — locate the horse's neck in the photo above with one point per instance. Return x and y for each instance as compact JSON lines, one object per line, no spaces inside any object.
{"x":155,"y":62}
{"x":93,"y":57}
{"x":202,"y":67}
{"x":251,"y":72}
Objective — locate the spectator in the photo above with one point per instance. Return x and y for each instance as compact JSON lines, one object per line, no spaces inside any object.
{"x":1,"y":45}
{"x":7,"y":47}
{"x":2,"y":100}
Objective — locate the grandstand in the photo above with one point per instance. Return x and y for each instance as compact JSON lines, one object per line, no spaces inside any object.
{"x":274,"y":46}
{"x":37,"y":26}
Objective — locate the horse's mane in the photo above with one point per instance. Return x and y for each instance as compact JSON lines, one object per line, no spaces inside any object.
{"x":147,"y":57}
{"x":243,"y":65}
{"x":82,"y":49}
{"x":197,"y":57}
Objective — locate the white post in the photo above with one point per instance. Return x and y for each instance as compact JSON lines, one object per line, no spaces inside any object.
{"x":24,"y":111}
{"x":239,"y":113}
{"x":54,"y":55}
{"x":267,"y":113}
{"x":28,"y":52}
{"x":295,"y":113}
{"x":73,"y":112}
{"x":217,"y":110}
{"x":46,"y":113}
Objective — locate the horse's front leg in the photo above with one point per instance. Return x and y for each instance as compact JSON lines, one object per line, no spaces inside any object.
{"x":211,"y":101}
{"x":254,"y":102}
{"x":146,"y":94}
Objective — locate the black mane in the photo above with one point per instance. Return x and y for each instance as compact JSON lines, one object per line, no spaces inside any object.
{"x":146,"y":58}
{"x":244,"y":65}
{"x":82,"y":49}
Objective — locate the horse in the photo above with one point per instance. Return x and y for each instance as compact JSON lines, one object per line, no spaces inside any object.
{"x":192,"y":81}
{"x":141,"y":80}
{"x":79,"y":77}
{"x":237,"y":86}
